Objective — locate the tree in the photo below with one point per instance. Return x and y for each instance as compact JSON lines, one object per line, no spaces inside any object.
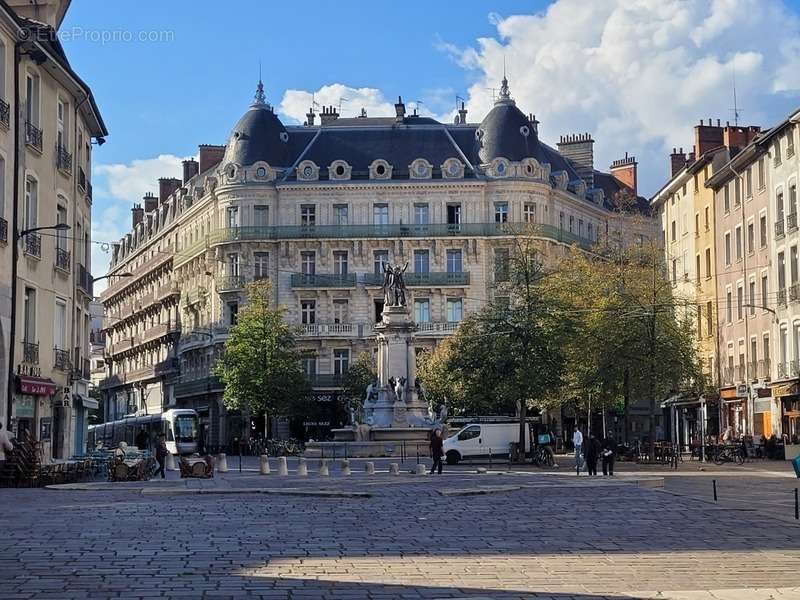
{"x":443,"y":384}
{"x":261,"y":367}
{"x":359,"y":375}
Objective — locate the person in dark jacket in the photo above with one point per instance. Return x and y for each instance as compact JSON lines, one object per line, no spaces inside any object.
{"x":609,"y":454}
{"x":592,"y":453}
{"x":141,"y":439}
{"x":437,"y":450}
{"x":161,"y":456}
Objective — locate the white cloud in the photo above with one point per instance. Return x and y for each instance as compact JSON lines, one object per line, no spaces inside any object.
{"x":639,"y":75}
{"x":295,"y":103}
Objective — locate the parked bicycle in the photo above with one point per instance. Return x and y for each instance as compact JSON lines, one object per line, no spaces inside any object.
{"x":723,"y":454}
{"x":543,"y":456}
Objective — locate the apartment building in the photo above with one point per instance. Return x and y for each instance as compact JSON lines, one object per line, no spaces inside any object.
{"x":49,"y":114}
{"x":319,"y":209}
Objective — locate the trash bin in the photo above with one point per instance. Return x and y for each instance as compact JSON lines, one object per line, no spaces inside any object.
{"x":796,"y":465}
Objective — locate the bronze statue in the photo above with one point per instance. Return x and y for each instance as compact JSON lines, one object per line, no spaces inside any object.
{"x":394,"y":285}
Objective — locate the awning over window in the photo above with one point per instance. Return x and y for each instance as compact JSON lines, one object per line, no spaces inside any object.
{"x":35,"y":386}
{"x":86,"y":401}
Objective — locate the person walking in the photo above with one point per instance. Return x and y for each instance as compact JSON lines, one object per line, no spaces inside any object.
{"x":141,"y":439}
{"x":609,"y":454}
{"x":437,"y":450}
{"x":161,"y":456}
{"x":5,"y":445}
{"x":577,"y":442}
{"x":592,"y":454}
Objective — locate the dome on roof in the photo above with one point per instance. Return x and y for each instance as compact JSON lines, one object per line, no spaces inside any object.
{"x":506,"y":132}
{"x":258,"y":136}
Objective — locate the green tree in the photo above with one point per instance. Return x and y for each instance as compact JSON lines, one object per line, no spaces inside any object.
{"x":443,"y":384}
{"x":359,"y":375}
{"x":261,"y":367}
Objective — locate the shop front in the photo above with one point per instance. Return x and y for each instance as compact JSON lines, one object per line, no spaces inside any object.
{"x":787,"y":397}
{"x":734,"y":407}
{"x":33,"y":411}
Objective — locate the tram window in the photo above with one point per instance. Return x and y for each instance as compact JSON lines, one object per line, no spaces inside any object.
{"x":170,"y":436}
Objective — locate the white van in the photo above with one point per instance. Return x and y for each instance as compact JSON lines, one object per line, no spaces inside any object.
{"x":480,"y":440}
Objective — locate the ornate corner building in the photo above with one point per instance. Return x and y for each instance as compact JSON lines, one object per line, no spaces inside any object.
{"x":319,"y":209}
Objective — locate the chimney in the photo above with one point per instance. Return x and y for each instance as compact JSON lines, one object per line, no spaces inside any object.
{"x":190,"y":168}
{"x":462,"y":115}
{"x":166,"y":186}
{"x":579,"y":150}
{"x":310,"y":117}
{"x":210,"y":156}
{"x":137,"y":215}
{"x":677,"y":161}
{"x":400,"y":110}
{"x":329,"y":115}
{"x":624,"y":171}
{"x":150,"y":202}
{"x":534,"y":123}
{"x":739,"y":136}
{"x":706,"y":137}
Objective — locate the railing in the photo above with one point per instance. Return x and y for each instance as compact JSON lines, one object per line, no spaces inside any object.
{"x":166,"y":366}
{"x":61,"y":359}
{"x":168,"y":289}
{"x":62,"y":259}
{"x":752,"y":371}
{"x":5,"y":113}
{"x":323,"y":280}
{"x":194,"y":387}
{"x":30,"y":353}
{"x":196,"y":295}
{"x":160,"y":330}
{"x":728,"y":376}
{"x":325,"y":380}
{"x":63,"y":159}
{"x":123,"y":345}
{"x":85,"y":281}
{"x":423,"y":279}
{"x":3,"y":230}
{"x":783,"y":370}
{"x":230,"y":283}
{"x":782,"y":297}
{"x":764,"y":368}
{"x":430,"y":327}
{"x":740,"y":373}
{"x":328,"y":330}
{"x":794,"y":292}
{"x":780,"y":231}
{"x":33,"y":136}
{"x":791,"y":221}
{"x":33,"y":245}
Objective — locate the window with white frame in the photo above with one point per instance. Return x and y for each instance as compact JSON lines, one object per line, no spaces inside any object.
{"x":340,"y":262}
{"x":455,"y":310}
{"x":341,"y":361}
{"x":308,"y":215}
{"x":308,"y":262}
{"x":340,"y":214}
{"x":421,"y":214}
{"x":422,"y":310}
{"x":233,"y":216}
{"x":454,"y":264}
{"x":261,"y":215}
{"x":380,"y":214}
{"x":422,"y":261}
{"x":529,"y":212}
{"x":340,"y":310}
{"x":380,"y":258}
{"x":308,"y":312}
{"x":501,"y":212}
{"x":261,"y":265}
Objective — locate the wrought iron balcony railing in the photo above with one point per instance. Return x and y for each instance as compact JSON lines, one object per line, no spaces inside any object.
{"x":30,"y":353}
{"x":85,"y":281}
{"x":33,"y":136}
{"x":81,"y":179}
{"x":782,"y":297}
{"x":780,"y":230}
{"x":3,"y":230}
{"x":791,"y":221}
{"x":33,"y":245}
{"x":230,"y":283}
{"x":325,"y":380}
{"x":5,"y":113}
{"x":63,"y":259}
{"x":63,"y":159}
{"x":61,"y":360}
{"x":423,"y":279}
{"x":323,"y":280}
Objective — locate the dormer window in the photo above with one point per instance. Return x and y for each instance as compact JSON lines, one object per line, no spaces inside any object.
{"x":499,"y":168}
{"x":452,"y":168}
{"x":420,"y":169}
{"x":339,"y":170}
{"x":380,"y":169}
{"x":307,"y":170}
{"x":261,"y":172}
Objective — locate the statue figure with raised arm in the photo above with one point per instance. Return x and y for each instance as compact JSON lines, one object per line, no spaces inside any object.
{"x":394,"y":285}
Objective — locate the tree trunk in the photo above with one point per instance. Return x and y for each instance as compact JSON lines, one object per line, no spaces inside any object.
{"x":626,"y":417}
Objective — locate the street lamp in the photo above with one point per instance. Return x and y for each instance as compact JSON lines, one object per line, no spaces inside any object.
{"x":110,"y":275}
{"x":57,"y":227}
{"x":210,"y":335}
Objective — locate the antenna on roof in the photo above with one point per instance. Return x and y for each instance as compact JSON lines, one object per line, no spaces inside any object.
{"x":735,"y":109}
{"x":459,"y":99}
{"x":494,"y":93}
{"x":342,"y":99}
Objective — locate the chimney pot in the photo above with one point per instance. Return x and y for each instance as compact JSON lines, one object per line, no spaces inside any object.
{"x":166,"y":187}
{"x":210,"y":156}
{"x":190,"y":168}
{"x":150,"y":202}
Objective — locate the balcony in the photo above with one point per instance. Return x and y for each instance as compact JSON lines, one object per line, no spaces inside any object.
{"x":764,"y":369}
{"x":3,"y":230}
{"x":323,"y":280}
{"x":61,"y":360}
{"x":791,"y":221}
{"x":122,"y":345}
{"x":33,"y":136}
{"x":329,"y":330}
{"x":195,"y":387}
{"x":437,"y":328}
{"x":782,"y":297}
{"x":85,"y":281}
{"x":783,"y":370}
{"x":63,"y":259}
{"x":436,"y":279}
{"x":63,"y":160}
{"x":794,"y":292}
{"x":230,"y":283}
{"x":325,"y":380}
{"x":728,"y":376}
{"x":167,"y":290}
{"x":780,"y":231}
{"x":30,"y":353}
{"x":5,"y":113}
{"x":160,"y":330}
{"x":169,"y":365}
{"x":33,"y":245}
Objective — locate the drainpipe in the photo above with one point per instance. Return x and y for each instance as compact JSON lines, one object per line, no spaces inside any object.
{"x":14,"y":242}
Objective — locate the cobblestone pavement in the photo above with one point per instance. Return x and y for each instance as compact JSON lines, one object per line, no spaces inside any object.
{"x":521,"y":535}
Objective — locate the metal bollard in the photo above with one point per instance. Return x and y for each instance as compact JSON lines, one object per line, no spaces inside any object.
{"x":714,"y":482}
{"x":171,"y":462}
{"x":345,"y":465}
{"x":264,"y":464}
{"x":369,"y":468}
{"x":283,"y":468}
{"x":323,"y":468}
{"x":222,"y":463}
{"x":394,"y":469}
{"x":420,"y":470}
{"x":796,"y":505}
{"x":302,"y":467}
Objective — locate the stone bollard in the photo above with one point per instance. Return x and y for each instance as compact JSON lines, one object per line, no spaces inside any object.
{"x":369,"y":468}
{"x":264,"y":464}
{"x":394,"y":469}
{"x":481,"y":471}
{"x":302,"y":467}
{"x":222,"y":463}
{"x":420,"y":470}
{"x":345,"y":467}
{"x":283,"y":468}
{"x":323,"y":468}
{"x":171,"y":462}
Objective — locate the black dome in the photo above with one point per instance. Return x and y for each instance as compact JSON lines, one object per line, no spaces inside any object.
{"x":506,"y":132}
{"x":258,"y":136}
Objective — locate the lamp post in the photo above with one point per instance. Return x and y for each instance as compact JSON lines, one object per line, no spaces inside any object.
{"x":210,"y":335}
{"x":19,"y":235}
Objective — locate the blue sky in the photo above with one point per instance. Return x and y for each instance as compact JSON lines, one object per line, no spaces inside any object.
{"x":637,"y":75}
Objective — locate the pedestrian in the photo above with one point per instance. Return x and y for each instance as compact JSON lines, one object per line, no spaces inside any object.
{"x":609,"y":454}
{"x":577,"y":442}
{"x":592,"y":453}
{"x":437,"y":450}
{"x":5,"y":445}
{"x":161,"y":456}
{"x":141,"y":439}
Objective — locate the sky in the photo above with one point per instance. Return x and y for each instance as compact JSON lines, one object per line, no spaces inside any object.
{"x":636,"y":74}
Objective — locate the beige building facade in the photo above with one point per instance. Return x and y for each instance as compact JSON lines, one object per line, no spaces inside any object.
{"x":318,"y":210}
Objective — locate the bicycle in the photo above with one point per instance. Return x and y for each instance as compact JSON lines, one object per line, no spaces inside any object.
{"x":543,"y":456}
{"x":725,"y":454}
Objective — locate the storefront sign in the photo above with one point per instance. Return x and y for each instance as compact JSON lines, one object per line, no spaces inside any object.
{"x":35,"y":386}
{"x":787,"y":389}
{"x":728,"y":394}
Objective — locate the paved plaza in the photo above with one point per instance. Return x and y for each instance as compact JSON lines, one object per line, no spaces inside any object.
{"x":501,"y":535}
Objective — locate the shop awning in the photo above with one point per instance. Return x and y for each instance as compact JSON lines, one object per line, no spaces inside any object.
{"x":86,"y":401}
{"x":35,"y":386}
